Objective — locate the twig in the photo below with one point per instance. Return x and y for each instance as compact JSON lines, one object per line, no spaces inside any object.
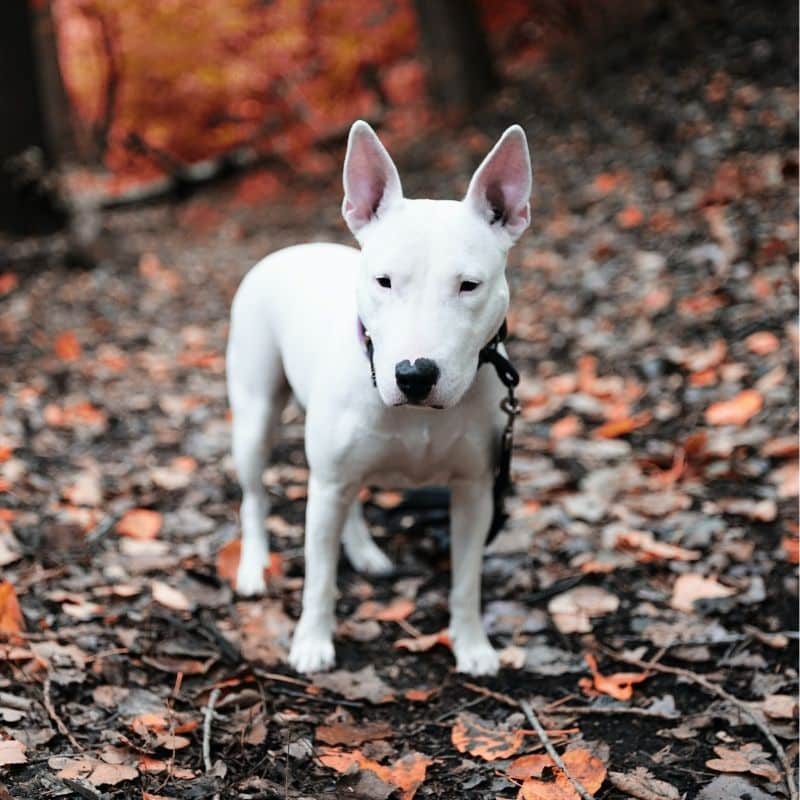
{"x":208,"y":716}
{"x":716,"y":689}
{"x":551,"y":751}
{"x":82,"y":789}
{"x":51,"y":710}
{"x":611,"y":711}
{"x":499,"y":696}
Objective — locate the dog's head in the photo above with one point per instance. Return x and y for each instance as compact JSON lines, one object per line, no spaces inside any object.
{"x":432,"y":288}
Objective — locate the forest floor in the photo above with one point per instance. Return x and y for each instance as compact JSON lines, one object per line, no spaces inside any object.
{"x":654,"y":321}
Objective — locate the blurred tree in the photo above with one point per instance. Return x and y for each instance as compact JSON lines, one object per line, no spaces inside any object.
{"x":27,"y":146}
{"x":460,"y":69}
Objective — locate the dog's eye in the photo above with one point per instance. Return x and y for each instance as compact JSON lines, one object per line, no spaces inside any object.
{"x":385,"y":281}
{"x":468,"y":286}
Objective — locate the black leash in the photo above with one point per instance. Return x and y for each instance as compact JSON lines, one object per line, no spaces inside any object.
{"x":509,"y":377}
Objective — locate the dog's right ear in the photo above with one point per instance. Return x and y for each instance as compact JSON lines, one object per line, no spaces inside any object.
{"x":371,"y":182}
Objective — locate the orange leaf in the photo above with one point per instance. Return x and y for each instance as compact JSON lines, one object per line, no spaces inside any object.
{"x":619,"y":685}
{"x":530,"y":766}
{"x":736,"y":411}
{"x":140,"y":523}
{"x":408,"y":774}
{"x":791,"y":546}
{"x":762,"y":343}
{"x":647,"y":548}
{"x":399,"y":608}
{"x":630,"y":217}
{"x":421,"y":644}
{"x":67,"y":346}
{"x":8,"y":282}
{"x":419,"y":695}
{"x":619,"y":427}
{"x":587,"y":769}
{"x":11,"y":621}
{"x":470,"y":734}
{"x":566,"y":426}
{"x":228,"y":562}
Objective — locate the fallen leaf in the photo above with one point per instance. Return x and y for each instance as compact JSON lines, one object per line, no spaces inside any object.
{"x":619,"y":685}
{"x":630,"y":217}
{"x":620,"y":427}
{"x":140,"y":523}
{"x":421,"y":644}
{"x":749,"y":758}
{"x":169,"y":597}
{"x":352,"y":734}
{"x":471,"y":734}
{"x":572,"y":610}
{"x":67,"y":347}
{"x":400,"y":608}
{"x":642,"y":785}
{"x":12,"y":752}
{"x":736,"y":411}
{"x":362,"y":685}
{"x":407,"y":774}
{"x":692,"y":586}
{"x":11,"y":620}
{"x":581,"y":765}
{"x":762,"y":343}
{"x":419,"y":695}
{"x":780,"y":706}
{"x":646,"y":548}
{"x":530,"y":766}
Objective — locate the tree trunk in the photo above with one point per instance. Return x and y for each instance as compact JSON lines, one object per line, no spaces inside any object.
{"x":460,"y":68}
{"x":26,"y":205}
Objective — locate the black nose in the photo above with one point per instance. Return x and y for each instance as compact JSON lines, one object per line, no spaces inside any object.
{"x":416,"y":380}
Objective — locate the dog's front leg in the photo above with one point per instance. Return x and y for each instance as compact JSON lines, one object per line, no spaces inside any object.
{"x":470,"y":517}
{"x":326,"y":511}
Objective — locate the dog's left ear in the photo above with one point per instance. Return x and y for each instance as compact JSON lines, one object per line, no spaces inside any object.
{"x":371,"y":182}
{"x":500,"y":189}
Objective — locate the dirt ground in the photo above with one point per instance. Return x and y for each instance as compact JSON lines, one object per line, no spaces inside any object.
{"x":654,"y":320}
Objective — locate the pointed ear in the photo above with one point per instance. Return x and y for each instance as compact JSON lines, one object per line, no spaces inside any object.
{"x":500,"y":189}
{"x":371,"y":182}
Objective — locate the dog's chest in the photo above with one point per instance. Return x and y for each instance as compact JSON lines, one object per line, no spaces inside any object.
{"x":423,"y":453}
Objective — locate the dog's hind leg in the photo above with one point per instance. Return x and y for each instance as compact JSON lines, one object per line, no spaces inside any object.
{"x":362,"y":552}
{"x":258,"y":393}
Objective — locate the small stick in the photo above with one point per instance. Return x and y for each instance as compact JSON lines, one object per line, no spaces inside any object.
{"x":51,"y":710}
{"x":208,"y":716}
{"x":551,"y":751}
{"x":610,"y":711}
{"x":717,"y":690}
{"x":499,"y":696}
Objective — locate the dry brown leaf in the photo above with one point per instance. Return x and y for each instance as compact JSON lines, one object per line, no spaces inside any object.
{"x":12,"y":752}
{"x":762,"y":343}
{"x":750,"y":758}
{"x":692,"y":586}
{"x":471,"y":734}
{"x":641,"y":785}
{"x":421,"y":644}
{"x":646,"y":548}
{"x":169,"y":597}
{"x":67,"y":347}
{"x":419,"y":695}
{"x":362,"y":685}
{"x":353,"y":734}
{"x":780,"y":706}
{"x":530,"y":766}
{"x":400,"y":608}
{"x":572,"y":611}
{"x":11,"y":619}
{"x":618,"y":685}
{"x":140,"y":523}
{"x":736,"y":411}
{"x":581,"y":765}
{"x":621,"y":427}
{"x":408,"y":774}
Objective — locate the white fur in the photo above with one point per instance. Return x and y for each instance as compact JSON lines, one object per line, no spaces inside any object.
{"x":294,"y":328}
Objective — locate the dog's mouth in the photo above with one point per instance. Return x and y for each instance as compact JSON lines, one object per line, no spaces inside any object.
{"x":412,"y":404}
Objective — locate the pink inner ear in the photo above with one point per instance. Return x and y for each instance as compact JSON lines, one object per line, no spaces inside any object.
{"x":370,"y":179}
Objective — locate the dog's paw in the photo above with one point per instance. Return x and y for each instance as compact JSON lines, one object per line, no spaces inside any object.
{"x":311,"y":654}
{"x":369,"y":559}
{"x":477,"y":658}
{"x":250,"y":578}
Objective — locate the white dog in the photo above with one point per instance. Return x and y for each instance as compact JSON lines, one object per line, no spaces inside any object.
{"x":381,"y":347}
